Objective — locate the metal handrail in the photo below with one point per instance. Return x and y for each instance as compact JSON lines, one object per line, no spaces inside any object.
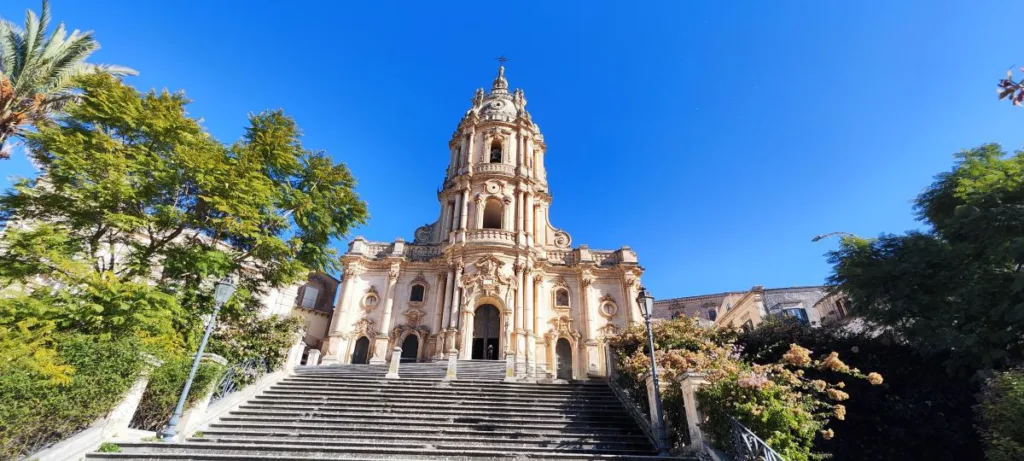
{"x":747,"y":446}
{"x":244,"y":373}
{"x":638,"y":415}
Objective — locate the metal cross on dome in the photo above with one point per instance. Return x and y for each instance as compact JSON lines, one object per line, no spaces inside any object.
{"x":501,"y":60}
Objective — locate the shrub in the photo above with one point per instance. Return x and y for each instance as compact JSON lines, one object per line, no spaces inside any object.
{"x":36,"y":411}
{"x":164,"y":388}
{"x":107,"y":447}
{"x":920,"y":412}
{"x":1001,"y":416}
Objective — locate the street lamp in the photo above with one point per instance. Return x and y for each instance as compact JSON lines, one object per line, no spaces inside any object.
{"x":646,"y":302}
{"x":221,"y":294}
{"x":821,"y":236}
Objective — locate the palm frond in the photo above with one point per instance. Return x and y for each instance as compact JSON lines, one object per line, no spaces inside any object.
{"x":44,"y":22}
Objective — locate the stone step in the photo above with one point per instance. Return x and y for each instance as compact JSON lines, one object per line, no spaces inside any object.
{"x":439,"y":444}
{"x":433,"y":416}
{"x":368,"y":457}
{"x":197,"y":450}
{"x":320,"y":383}
{"x":441,"y":398}
{"x":413,"y":407}
{"x":398,"y":422}
{"x":312,"y":427}
{"x":426,"y":434}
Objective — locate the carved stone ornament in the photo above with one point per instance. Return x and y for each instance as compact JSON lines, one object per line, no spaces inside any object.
{"x":422,"y":235}
{"x":492,"y":187}
{"x":607,"y":332}
{"x":399,"y":332}
{"x":488,"y":279}
{"x":371,"y":299}
{"x":364,"y":327}
{"x":608,"y":308}
{"x":393,"y":275}
{"x":561,"y":327}
{"x":414,"y":316}
{"x":562,"y":239}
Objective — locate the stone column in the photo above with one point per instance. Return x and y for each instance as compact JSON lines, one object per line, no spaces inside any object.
{"x":333,"y":344}
{"x":520,"y":314}
{"x":529,"y":218}
{"x":380,"y":347}
{"x":195,"y":415}
{"x":652,"y":403}
{"x":689,"y":382}
{"x":453,"y":316}
{"x":466,"y":330}
{"x":531,"y":339}
{"x":119,"y":418}
{"x":465,"y":210}
{"x":591,"y":354}
{"x":313,"y":358}
{"x":520,"y":218}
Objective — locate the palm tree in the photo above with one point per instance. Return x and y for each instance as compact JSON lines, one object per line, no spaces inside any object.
{"x":37,"y":72}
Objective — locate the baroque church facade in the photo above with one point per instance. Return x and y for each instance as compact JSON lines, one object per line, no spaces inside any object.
{"x":492,"y":278}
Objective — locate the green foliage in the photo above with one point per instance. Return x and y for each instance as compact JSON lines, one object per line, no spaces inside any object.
{"x":1001,"y":414}
{"x":918,"y":413}
{"x":36,"y":410}
{"x":164,"y":388}
{"x":108,"y":447}
{"x":37,"y":72}
{"x":960,"y":286}
{"x":257,"y":337}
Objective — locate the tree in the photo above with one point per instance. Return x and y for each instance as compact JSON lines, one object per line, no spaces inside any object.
{"x":133,"y":191}
{"x":957,"y":287}
{"x":37,"y":72}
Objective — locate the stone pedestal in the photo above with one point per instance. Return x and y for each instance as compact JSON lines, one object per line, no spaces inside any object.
{"x":313,"y":358}
{"x":396,"y":357}
{"x":689,"y":382}
{"x":652,"y":401}
{"x":119,"y":418}
{"x":380,"y":350}
{"x":453,"y":361}
{"x":510,"y":367}
{"x":195,"y":414}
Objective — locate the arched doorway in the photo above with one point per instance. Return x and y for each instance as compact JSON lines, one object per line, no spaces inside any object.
{"x":410,"y":349}
{"x":563,"y":356}
{"x":486,"y":331}
{"x":362,"y":349}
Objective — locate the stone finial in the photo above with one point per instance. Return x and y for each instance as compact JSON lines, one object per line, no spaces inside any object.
{"x":500,"y":83}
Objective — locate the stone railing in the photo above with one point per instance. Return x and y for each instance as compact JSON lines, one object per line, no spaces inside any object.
{"x":378,"y":250}
{"x":491,"y":235}
{"x":422,"y":252}
{"x":604,"y":257}
{"x":627,"y":401}
{"x":494,"y":168}
{"x":560,"y":256}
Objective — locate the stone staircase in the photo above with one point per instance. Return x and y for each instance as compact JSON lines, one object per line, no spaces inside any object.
{"x":350,"y":412}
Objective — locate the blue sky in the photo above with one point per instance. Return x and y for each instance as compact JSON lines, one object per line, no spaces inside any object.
{"x":715,"y":138}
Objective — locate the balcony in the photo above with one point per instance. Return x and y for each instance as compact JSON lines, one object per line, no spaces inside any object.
{"x":491,"y":236}
{"x":501,"y":169}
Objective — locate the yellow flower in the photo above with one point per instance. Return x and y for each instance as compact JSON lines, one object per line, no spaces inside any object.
{"x":797,"y":355}
{"x":819,"y":385}
{"x":840,"y":384}
{"x":833,"y":363}
{"x":827,"y":434}
{"x":837,"y":395}
{"x":840,"y":412}
{"x":874,"y":378}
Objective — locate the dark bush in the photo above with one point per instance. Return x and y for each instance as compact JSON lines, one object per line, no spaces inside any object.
{"x":920,"y":412}
{"x":1001,"y":416}
{"x":164,"y":388}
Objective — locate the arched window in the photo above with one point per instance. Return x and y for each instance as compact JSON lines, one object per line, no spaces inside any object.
{"x":492,"y":214}
{"x":561,"y":297}
{"x":712,"y":315}
{"x":310,"y":294}
{"x":417,"y":293}
{"x":496,"y":151}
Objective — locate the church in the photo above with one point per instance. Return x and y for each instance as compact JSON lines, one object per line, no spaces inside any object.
{"x":492,"y":278}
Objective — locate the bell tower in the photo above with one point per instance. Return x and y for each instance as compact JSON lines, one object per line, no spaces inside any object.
{"x":495,"y":188}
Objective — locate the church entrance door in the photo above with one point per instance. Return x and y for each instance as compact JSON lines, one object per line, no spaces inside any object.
{"x":485,"y":333}
{"x":563,"y":354}
{"x":410,"y":348}
{"x":359,"y":355}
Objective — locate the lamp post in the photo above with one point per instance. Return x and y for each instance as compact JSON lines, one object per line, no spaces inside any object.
{"x":221,"y":294}
{"x":646,"y":302}
{"x":830,"y":234}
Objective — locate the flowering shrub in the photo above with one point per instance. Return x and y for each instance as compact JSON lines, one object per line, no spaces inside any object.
{"x":774,"y":400}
